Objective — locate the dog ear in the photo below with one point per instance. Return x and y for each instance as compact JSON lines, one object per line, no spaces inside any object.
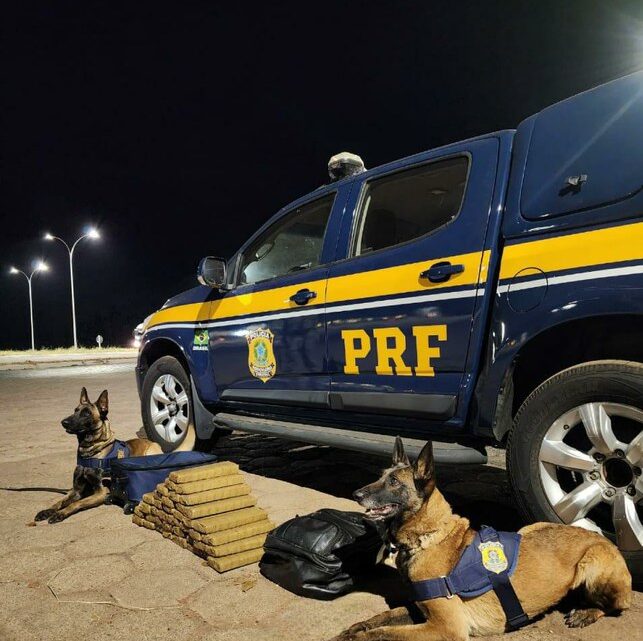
{"x":103,"y":404}
{"x":424,"y":469}
{"x":84,"y":399}
{"x":399,"y":455}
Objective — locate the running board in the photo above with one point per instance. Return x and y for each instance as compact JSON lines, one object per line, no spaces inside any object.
{"x":348,"y":439}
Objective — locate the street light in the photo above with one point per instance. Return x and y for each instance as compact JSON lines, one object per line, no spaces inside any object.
{"x":92,"y":233}
{"x":39,"y":267}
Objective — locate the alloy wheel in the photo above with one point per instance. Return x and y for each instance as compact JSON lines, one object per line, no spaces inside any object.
{"x":169,"y":408}
{"x":590,"y":469}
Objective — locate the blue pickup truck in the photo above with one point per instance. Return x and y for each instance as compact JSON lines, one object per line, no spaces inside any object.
{"x":486,"y":293}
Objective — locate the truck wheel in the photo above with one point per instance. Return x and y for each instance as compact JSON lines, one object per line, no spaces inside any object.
{"x":166,"y":403}
{"x":575,"y":453}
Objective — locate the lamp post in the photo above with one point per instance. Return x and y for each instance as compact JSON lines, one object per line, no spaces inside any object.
{"x":40,"y":267}
{"x":91,"y":233}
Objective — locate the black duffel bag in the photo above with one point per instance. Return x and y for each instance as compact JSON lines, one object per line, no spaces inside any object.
{"x":320,"y":555}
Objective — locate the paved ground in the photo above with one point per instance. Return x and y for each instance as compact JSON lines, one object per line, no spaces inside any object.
{"x":97,"y":574}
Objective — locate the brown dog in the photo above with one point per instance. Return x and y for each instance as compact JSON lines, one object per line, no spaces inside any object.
{"x":95,"y":440}
{"x":430,"y":538}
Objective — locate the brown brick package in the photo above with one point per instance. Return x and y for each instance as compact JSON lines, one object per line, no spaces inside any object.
{"x":210,"y":511}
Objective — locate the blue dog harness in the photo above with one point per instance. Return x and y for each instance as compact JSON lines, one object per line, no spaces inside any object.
{"x":486,"y":564}
{"x":119,"y":450}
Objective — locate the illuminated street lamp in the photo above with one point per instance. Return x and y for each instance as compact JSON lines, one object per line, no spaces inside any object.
{"x":90,"y":233}
{"x":39,"y":267}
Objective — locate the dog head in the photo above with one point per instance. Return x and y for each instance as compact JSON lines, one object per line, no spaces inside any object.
{"x":88,"y":416}
{"x":402,"y":488}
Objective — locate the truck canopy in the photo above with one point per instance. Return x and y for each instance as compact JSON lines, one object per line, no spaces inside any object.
{"x":585,"y":152}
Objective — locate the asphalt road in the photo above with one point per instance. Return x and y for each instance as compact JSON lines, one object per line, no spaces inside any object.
{"x":97,"y":574}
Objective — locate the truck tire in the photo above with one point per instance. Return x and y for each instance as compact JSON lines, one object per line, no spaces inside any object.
{"x":166,"y":403}
{"x":575,"y":453}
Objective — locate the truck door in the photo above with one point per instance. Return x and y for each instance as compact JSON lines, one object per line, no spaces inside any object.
{"x":400,"y":304}
{"x":268,"y":339}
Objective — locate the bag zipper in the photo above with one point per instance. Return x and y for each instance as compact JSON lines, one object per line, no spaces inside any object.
{"x":159,"y":467}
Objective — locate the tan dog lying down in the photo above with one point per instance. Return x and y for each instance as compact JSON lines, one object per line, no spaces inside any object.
{"x":96,"y":440}
{"x":553,"y":560}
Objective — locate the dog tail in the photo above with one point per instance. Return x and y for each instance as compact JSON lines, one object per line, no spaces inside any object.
{"x":188,"y":443}
{"x":56,"y":490}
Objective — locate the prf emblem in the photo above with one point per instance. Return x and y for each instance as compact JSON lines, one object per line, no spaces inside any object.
{"x":261,"y":357}
{"x":493,"y":556}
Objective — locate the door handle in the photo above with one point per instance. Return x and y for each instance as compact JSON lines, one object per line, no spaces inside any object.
{"x":303,"y":296}
{"x":441,"y":272}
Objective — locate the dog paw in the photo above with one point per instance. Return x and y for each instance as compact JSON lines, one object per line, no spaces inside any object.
{"x":357,"y":634}
{"x":582,"y":618}
{"x":350,"y":634}
{"x":56,"y":517}
{"x":43,"y":515}
{"x":362,"y":626}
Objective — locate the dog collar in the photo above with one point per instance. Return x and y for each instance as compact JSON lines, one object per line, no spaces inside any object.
{"x":486,"y":564}
{"x":119,"y":450}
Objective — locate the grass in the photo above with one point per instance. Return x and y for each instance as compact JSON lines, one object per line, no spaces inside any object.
{"x":65,"y":350}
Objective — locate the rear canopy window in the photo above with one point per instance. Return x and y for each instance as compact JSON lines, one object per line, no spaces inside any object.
{"x":292,"y":244}
{"x":409,"y":204}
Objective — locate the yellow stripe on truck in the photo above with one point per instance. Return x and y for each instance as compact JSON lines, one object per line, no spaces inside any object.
{"x":269,"y":300}
{"x":193,"y":312}
{"x":388,"y":281}
{"x":402,"y":279}
{"x":584,"y":249}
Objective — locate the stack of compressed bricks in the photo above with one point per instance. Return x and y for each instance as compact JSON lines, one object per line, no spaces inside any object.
{"x":208,"y":510}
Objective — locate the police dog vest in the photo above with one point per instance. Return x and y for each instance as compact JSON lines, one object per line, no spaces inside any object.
{"x":486,"y":564}
{"x":119,"y":450}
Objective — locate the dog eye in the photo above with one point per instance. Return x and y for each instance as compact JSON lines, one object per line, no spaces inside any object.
{"x":393,"y":481}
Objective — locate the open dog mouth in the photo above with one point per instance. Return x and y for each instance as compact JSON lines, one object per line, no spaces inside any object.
{"x":381,"y":511}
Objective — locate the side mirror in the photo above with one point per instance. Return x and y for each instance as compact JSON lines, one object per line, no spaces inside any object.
{"x":212,"y":272}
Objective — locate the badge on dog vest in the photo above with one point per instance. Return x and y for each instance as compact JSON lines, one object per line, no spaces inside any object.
{"x":493,"y":556}
{"x":261,"y":357}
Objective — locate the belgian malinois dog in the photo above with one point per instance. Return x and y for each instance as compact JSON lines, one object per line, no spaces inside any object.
{"x":553,"y":560}
{"x":95,"y":440}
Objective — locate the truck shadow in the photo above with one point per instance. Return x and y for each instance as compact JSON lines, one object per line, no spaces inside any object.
{"x":479,"y":492}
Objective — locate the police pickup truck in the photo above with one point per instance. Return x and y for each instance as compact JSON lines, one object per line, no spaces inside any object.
{"x":489,"y":292}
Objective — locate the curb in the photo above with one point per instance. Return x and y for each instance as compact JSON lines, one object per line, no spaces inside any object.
{"x":64,"y":360}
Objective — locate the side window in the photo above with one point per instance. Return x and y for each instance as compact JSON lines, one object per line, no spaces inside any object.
{"x":292,"y":244}
{"x":410,"y":204}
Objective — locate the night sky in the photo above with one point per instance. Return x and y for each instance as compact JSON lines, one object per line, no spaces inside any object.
{"x":178,"y":128}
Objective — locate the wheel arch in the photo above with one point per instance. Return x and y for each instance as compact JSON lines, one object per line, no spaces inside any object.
{"x":605,"y":337}
{"x":157,"y":348}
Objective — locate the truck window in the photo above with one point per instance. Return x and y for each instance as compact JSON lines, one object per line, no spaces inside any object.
{"x":410,"y":204}
{"x":292,"y":244}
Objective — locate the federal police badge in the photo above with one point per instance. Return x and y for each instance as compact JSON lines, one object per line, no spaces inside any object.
{"x":493,"y":556}
{"x":261,"y":357}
